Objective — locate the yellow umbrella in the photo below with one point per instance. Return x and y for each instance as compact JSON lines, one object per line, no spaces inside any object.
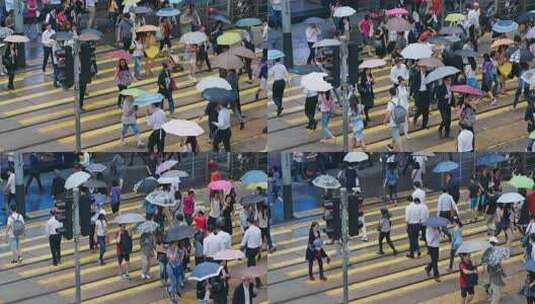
{"x":253,"y":186}
{"x":455,"y":17}
{"x":130,"y":2}
{"x":229,"y":39}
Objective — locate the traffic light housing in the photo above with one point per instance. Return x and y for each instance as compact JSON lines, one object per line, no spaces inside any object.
{"x":64,"y":214}
{"x":331,"y":216}
{"x":331,"y":63}
{"x":354,"y":203}
{"x":353,"y":62}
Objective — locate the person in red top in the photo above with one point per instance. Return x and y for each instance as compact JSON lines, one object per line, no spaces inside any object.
{"x":200,"y":221}
{"x":215,"y":176}
{"x":467,"y":278}
{"x":188,"y":206}
{"x":124,"y":249}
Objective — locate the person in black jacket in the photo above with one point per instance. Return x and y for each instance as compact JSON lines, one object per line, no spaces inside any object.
{"x":315,"y":251}
{"x":165,"y":86}
{"x":529,"y":114}
{"x":239,"y":295}
{"x":10,"y":62}
{"x":420,"y":92}
{"x":58,"y":183}
{"x":367,"y":95}
{"x":446,"y":101}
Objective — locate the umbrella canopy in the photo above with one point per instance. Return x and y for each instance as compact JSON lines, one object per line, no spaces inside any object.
{"x":254,"y":272}
{"x":76,"y":179}
{"x":372,"y":63}
{"x":505,"y":26}
{"x":229,"y":38}
{"x":491,"y":159}
{"x":218,"y":95}
{"x":315,"y":82}
{"x":228,"y":61}
{"x":62,"y":36}
{"x":344,"y":11}
{"x":532,"y":135}
{"x":16,"y":39}
{"x":229,"y":255}
{"x":167,"y":12}
{"x":525,"y":17}
{"x":146,"y":185}
{"x":355,"y":157}
{"x":213,"y":82}
{"x":166,"y":165}
{"x":529,"y":77}
{"x":521,"y":182}
{"x":254,"y":176}
{"x":140,"y":10}
{"x":327,"y":43}
{"x":417,"y":51}
{"x":436,"y":221}
{"x":119,"y":54}
{"x":495,"y":255}
{"x":455,"y":18}
{"x":175,"y":173}
{"x":398,"y":11}
{"x":530,"y":265}
{"x":466,"y":89}
{"x":275,"y":54}
{"x":128,"y":218}
{"x":473,"y":246}
{"x":445,"y":166}
{"x":252,"y":199}
{"x":326,"y":181}
{"x":431,"y":62}
{"x":205,"y":271}
{"x":521,"y":55}
{"x":169,"y":180}
{"x":5,"y":31}
{"x":254,"y":186}
{"x":160,"y":198}
{"x":500,"y":42}
{"x":147,"y":227}
{"x":178,"y":232}
{"x":95,"y":183}
{"x":96,"y":168}
{"x":89,"y":37}
{"x":398,"y":24}
{"x":243,"y":52}
{"x":147,"y":28}
{"x":305,"y":69}
{"x":510,"y":198}
{"x":440,"y":73}
{"x":465,"y":53}
{"x":450,"y":30}
{"x":313,"y":20}
{"x":147,"y":99}
{"x":424,"y":153}
{"x":220,"y":17}
{"x":91,"y":31}
{"x":193,"y":38}
{"x":182,"y":127}
{"x":134,"y":92}
{"x":220,"y":185}
{"x":247,"y":22}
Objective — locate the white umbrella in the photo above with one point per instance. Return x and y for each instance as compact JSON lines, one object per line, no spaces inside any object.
{"x":355,"y":157}
{"x":181,"y":127}
{"x":326,"y":181}
{"x":160,"y":198}
{"x":327,"y":43}
{"x":473,"y":246}
{"x":17,"y":39}
{"x":169,"y":180}
{"x":193,"y":38}
{"x":424,"y":153}
{"x":175,"y":173}
{"x":129,"y":218}
{"x":147,"y":227}
{"x":166,"y":165}
{"x":96,"y":168}
{"x":76,"y":179}
{"x":314,"y":82}
{"x":213,"y":82}
{"x":417,"y":51}
{"x":440,"y":73}
{"x":372,"y":63}
{"x":510,"y":198}
{"x":343,"y":11}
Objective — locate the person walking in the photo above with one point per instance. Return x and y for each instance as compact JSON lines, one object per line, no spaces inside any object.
{"x":188,"y":203}
{"x":166,"y":85}
{"x":252,"y":244}
{"x":446,"y":101}
{"x":54,"y":237}
{"x":365,"y":88}
{"x":138,"y":56}
{"x":312,"y":33}
{"x":402,"y":93}
{"x":412,"y":218}
{"x":468,"y":278}
{"x":124,"y":32}
{"x":155,"y":119}
{"x":278,"y":74}
{"x":123,"y":78}
{"x":315,"y":251}
{"x":234,"y":80}
{"x":384,"y":229}
{"x":175,"y":271}
{"x":420,"y":92}
{"x":395,"y":116}
{"x":15,"y":230}
{"x":129,"y":121}
{"x":456,"y":240}
{"x":262,"y":76}
{"x":148,"y":248}
{"x":446,"y":208}
{"x":10,"y":63}
{"x":100,"y":229}
{"x":311,"y":102}
{"x":124,"y":249}
{"x":223,"y":132}
{"x":326,"y":109}
{"x":496,"y":275}
{"x":432,"y":237}
{"x":47,"y":42}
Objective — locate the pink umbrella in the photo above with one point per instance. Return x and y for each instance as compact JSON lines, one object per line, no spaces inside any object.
{"x":372,"y":63}
{"x":229,"y":255}
{"x":396,"y":12}
{"x":466,"y":89}
{"x":531,"y":33}
{"x":119,"y":54}
{"x":166,"y":165}
{"x":220,"y":185}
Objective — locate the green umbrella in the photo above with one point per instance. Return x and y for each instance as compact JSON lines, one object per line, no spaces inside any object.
{"x":522,"y":182}
{"x":532,"y":135}
{"x":134,"y":92}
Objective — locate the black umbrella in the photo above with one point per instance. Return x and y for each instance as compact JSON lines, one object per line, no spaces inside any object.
{"x":219,"y":95}
{"x":465,"y":53}
{"x":305,"y":69}
{"x":178,"y":232}
{"x":95,"y":183}
{"x":222,"y":18}
{"x":252,"y":199}
{"x":62,"y":36}
{"x":525,"y":17}
{"x":146,"y":185}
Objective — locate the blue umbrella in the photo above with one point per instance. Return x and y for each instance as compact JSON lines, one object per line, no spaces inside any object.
{"x":175,"y":1}
{"x":445,"y":166}
{"x":219,"y":95}
{"x":142,"y":10}
{"x":436,"y":221}
{"x":254,"y":176}
{"x":147,"y":99}
{"x":525,"y":17}
{"x":491,"y":159}
{"x":167,"y":12}
{"x":205,"y":271}
{"x":505,"y":26}
{"x":222,"y":18}
{"x":530,"y":265}
{"x":247,"y":22}
{"x":275,"y":54}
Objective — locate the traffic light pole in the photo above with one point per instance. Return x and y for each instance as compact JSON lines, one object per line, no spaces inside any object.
{"x":286,"y":170}
{"x":287,"y":34}
{"x":345,"y":240}
{"x":76,"y":236}
{"x":345,"y":101}
{"x":77,"y":124}
{"x":19,"y":183}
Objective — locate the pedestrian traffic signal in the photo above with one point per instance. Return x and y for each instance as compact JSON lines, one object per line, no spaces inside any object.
{"x":354,"y":203}
{"x":353,"y":62}
{"x":331,"y":216}
{"x":331,"y":62}
{"x":64,"y":214}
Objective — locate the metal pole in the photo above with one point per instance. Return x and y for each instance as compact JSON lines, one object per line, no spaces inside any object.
{"x":77,"y":125}
{"x":76,"y":236}
{"x":229,"y":8}
{"x":345,"y":101}
{"x":286,"y":170}
{"x":287,"y":33}
{"x":345,"y":240}
{"x":18,"y":9}
{"x":19,"y":183}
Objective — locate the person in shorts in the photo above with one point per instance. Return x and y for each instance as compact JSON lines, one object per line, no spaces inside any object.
{"x":389,"y":119}
{"x":15,"y":230}
{"x":467,"y":278}
{"x":124,"y":249}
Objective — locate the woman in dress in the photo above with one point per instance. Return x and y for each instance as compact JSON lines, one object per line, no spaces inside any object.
{"x":123,"y":78}
{"x":357,"y":121}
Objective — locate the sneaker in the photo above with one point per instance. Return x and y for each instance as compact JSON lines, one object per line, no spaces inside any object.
{"x":380,"y":252}
{"x":143,"y":277}
{"x":122,"y":141}
{"x":147,"y":277}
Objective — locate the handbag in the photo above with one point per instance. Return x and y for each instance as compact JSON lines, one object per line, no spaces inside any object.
{"x":172,"y":85}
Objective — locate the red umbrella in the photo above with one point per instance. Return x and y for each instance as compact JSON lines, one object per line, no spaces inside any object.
{"x":530,"y":198}
{"x":119,"y":54}
{"x":466,"y":89}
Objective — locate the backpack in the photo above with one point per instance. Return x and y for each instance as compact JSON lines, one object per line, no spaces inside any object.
{"x":469,"y":117}
{"x":126,"y":243}
{"x":399,"y":114}
{"x":17,"y":226}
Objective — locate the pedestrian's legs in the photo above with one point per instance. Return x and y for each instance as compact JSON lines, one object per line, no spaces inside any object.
{"x":137,"y":67}
{"x":425,"y":115}
{"x":101,"y":247}
{"x":312,"y":53}
{"x":517,"y":95}
{"x":11,"y":79}
{"x":226,"y":139}
{"x":495,"y":293}
{"x":433,"y":251}
{"x":120,"y":97}
{"x":91,"y":10}
{"x":310,"y":266}
{"x":452,"y":257}
{"x":320,"y":265}
{"x":364,"y":231}
{"x":169,"y":96}
{"x":52,"y":249}
{"x":382,"y":235}
{"x":47,"y":52}
{"x":92,"y":237}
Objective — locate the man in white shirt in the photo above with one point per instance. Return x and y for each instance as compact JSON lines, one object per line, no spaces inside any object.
{"x":446,"y":204}
{"x":395,"y":132}
{"x":465,"y":140}
{"x":9,"y":188}
{"x":278,"y":74}
{"x":54,"y":237}
{"x":423,"y":215}
{"x":155,"y":119}
{"x":224,"y":237}
{"x":312,"y":31}
{"x":91,"y":6}
{"x":223,"y":132}
{"x":418,"y":192}
{"x":211,"y":245}
{"x":432,"y":236}
{"x":399,"y":70}
{"x":46,"y":40}
{"x":15,"y":230}
{"x":252,"y":243}
{"x":412,"y":218}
